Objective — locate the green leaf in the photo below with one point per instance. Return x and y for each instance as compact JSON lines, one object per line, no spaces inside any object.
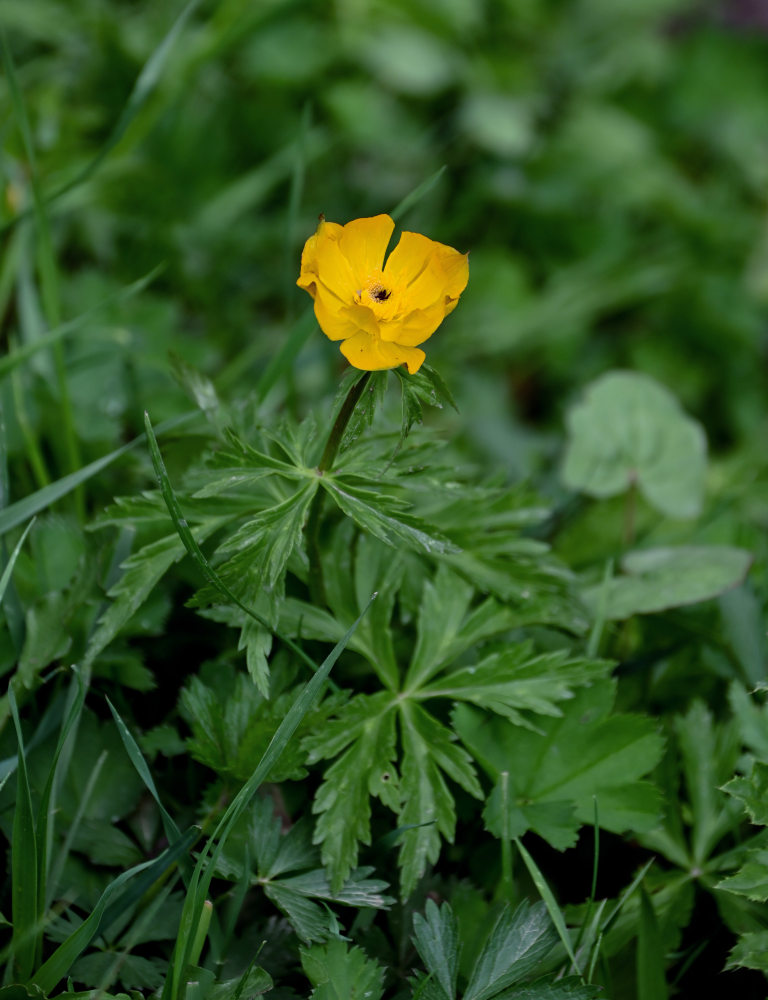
{"x":385,"y":517}
{"x":629,"y":429}
{"x":253,"y":982}
{"x":232,"y":724}
{"x":752,"y":792}
{"x":549,"y":989}
{"x":436,"y":938}
{"x":657,"y":579}
{"x":132,"y":971}
{"x":751,"y":880}
{"x":560,"y":768}
{"x":142,"y":572}
{"x":341,"y":973}
{"x":752,"y":718}
{"x":429,"y":754}
{"x":750,"y":952}
{"x":22,"y":510}
{"x":366,"y":728}
{"x":708,"y":752}
{"x":24,"y":866}
{"x":515,"y":679}
{"x":651,"y":981}
{"x":517,"y":944}
{"x":59,"y":964}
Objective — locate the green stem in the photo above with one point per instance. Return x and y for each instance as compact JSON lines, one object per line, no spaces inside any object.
{"x":316,"y":582}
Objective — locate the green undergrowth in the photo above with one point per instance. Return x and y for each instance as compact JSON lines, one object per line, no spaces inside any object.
{"x":477,"y":710}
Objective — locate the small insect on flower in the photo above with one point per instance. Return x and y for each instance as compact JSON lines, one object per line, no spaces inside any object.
{"x":380,"y":312}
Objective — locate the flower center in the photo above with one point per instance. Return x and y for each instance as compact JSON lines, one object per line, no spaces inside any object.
{"x":379,"y":293}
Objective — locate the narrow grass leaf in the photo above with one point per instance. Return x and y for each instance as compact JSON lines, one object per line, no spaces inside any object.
{"x":651,"y":981}
{"x":417,"y":194}
{"x":16,"y":513}
{"x":283,"y":361}
{"x":550,"y":902}
{"x":27,"y":350}
{"x":24,"y":893}
{"x":61,"y":961}
{"x":5,"y":579}
{"x":137,"y":759}
{"x":47,"y":808}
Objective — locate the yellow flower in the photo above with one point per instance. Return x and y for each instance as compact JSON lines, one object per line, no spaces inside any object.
{"x":380,"y":312}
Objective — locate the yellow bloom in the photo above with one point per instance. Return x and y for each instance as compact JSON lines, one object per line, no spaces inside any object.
{"x":380,"y":312}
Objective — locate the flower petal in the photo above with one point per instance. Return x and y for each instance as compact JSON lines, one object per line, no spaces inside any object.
{"x":427,"y":270}
{"x":371,"y":354}
{"x":364,"y":243}
{"x":309,"y":266}
{"x":330,"y":313}
{"x":415,"y":327}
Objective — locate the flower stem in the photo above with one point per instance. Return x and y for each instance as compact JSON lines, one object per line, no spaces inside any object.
{"x":316,"y":582}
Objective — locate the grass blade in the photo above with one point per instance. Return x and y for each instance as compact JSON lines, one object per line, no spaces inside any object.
{"x":550,"y":902}
{"x":137,"y":759}
{"x":17,"y":513}
{"x":5,"y":579}
{"x":48,"y":271}
{"x":24,"y":892}
{"x":21,"y":354}
{"x":651,"y":981}
{"x":61,"y":961}
{"x":47,"y":808}
{"x":417,"y":194}
{"x":145,"y":83}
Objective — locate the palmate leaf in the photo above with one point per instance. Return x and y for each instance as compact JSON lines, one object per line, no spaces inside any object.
{"x":341,"y":973}
{"x":365,"y":730}
{"x":232,"y":724}
{"x":515,"y":679}
{"x":300,"y":896}
{"x":752,"y":792}
{"x":436,"y":936}
{"x":553,"y":775}
{"x":516,"y":945}
{"x":385,"y":516}
{"x":142,"y":572}
{"x":428,"y":808}
{"x":751,"y":880}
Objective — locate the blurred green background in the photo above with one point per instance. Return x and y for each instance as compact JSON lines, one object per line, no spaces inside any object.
{"x":606,"y":164}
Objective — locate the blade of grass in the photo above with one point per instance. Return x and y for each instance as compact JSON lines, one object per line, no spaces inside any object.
{"x":24,"y":893}
{"x":17,"y":513}
{"x":145,"y":83}
{"x":417,"y":194}
{"x":283,"y":361}
{"x":203,"y":873}
{"x":31,"y":446}
{"x":61,"y":961}
{"x":550,"y":902}
{"x":137,"y":759}
{"x":602,"y":605}
{"x":5,"y":579}
{"x":48,"y":271}
{"x":651,"y":981}
{"x":21,"y":354}
{"x":47,"y":808}
{"x":9,"y":598}
{"x":72,"y":830}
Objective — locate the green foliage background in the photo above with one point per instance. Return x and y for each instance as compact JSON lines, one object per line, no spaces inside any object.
{"x":565,"y":526}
